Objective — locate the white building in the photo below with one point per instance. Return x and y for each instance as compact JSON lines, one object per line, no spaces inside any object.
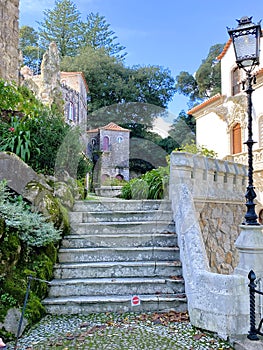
{"x":221,"y":121}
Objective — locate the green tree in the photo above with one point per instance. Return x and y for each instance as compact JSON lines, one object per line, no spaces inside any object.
{"x":110,"y":82}
{"x":187,"y":85}
{"x":183,"y":130}
{"x":208,"y":75}
{"x":63,"y":25}
{"x":97,"y":34}
{"x":34,"y":132}
{"x":206,"y":82}
{"x":105,"y":76}
{"x":28,"y":44}
{"x":152,"y":84}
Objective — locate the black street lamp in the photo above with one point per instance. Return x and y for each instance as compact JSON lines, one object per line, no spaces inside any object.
{"x":246,"y":41}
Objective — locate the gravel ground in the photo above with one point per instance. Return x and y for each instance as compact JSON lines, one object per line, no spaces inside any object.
{"x":128,"y":331}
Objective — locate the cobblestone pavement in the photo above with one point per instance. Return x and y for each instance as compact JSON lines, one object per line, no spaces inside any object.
{"x":128,"y":331}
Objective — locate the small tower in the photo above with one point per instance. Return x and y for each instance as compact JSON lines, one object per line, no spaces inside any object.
{"x":108,"y":147}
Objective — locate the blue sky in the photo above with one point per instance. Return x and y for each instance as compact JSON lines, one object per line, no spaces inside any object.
{"x":176,"y":34}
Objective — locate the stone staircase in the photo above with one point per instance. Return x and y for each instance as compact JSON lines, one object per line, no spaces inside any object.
{"x":116,"y":250}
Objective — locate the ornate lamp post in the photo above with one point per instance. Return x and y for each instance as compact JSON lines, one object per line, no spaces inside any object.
{"x":246,"y":41}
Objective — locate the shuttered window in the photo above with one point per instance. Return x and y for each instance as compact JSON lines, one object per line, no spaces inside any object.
{"x":236,"y":139}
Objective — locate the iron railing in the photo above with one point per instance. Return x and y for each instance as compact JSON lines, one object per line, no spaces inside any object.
{"x":253,"y":331}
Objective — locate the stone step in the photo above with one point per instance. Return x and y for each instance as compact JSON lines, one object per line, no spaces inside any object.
{"x":120,"y":240}
{"x":118,"y":269}
{"x":118,"y":249}
{"x":118,"y":254}
{"x":120,"y":216}
{"x":246,"y":344}
{"x":115,"y":303}
{"x":120,"y":227}
{"x":113,"y":286}
{"x":111,"y":204}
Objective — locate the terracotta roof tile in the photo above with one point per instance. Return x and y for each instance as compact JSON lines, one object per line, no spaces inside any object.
{"x":205,"y":103}
{"x":222,"y":54}
{"x":113,"y":126}
{"x":110,"y":126}
{"x":226,"y":47}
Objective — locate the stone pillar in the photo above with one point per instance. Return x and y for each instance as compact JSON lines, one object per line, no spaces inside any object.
{"x":250,"y":248}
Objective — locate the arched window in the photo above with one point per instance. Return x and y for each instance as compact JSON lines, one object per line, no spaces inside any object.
{"x":236,"y":139}
{"x":235,"y":81}
{"x":260,"y":131}
{"x":119,"y":139}
{"x":106,"y":143}
{"x":71,"y":112}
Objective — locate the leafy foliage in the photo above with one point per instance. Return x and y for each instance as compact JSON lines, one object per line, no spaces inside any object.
{"x":28,"y":43}
{"x":30,"y":130}
{"x":111,"y":83}
{"x":208,"y":75}
{"x":206,"y":82}
{"x":183,"y":130}
{"x":20,"y":101}
{"x":97,"y":34}
{"x":187,"y":85}
{"x":16,"y":138}
{"x":63,"y":25}
{"x":32,"y":227}
{"x":151,"y":185}
{"x":197,"y":149}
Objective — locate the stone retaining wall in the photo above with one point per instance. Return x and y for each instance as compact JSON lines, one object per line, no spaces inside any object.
{"x":9,"y":37}
{"x":207,"y":195}
{"x":217,"y":189}
{"x":219,"y":224}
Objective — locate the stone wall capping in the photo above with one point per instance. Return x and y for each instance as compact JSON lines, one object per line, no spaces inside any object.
{"x":182,"y":159}
{"x":216,"y":170}
{"x":240,"y":169}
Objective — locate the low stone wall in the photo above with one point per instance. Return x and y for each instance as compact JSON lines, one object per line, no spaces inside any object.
{"x":108,"y":191}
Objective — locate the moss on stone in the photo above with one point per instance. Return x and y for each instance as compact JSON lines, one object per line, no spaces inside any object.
{"x":34,"y":309}
{"x":10,"y":248}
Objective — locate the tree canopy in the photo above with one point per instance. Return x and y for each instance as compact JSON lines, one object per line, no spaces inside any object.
{"x":28,"y":43}
{"x":97,"y":34}
{"x":63,"y":25}
{"x":206,"y":82}
{"x":111,"y":82}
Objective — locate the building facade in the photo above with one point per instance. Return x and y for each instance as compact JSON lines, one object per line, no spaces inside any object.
{"x":109,"y":148}
{"x":74,"y":91}
{"x":67,"y":89}
{"x":221,"y":121}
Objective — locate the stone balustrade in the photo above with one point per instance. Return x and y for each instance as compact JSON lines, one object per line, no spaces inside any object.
{"x":242,"y":158}
{"x":207,"y":199}
{"x":217,"y":188}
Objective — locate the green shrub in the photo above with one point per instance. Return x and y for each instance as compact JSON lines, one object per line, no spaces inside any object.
{"x":151,"y":185}
{"x":32,"y":227}
{"x":197,"y":149}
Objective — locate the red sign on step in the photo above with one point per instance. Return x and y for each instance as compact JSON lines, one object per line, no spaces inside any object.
{"x":135,"y":300}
